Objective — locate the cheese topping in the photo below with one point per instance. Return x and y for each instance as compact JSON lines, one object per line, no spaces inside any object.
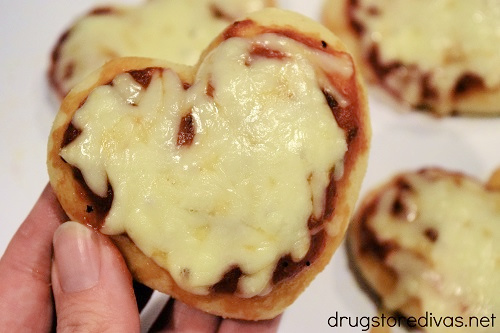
{"x":449,"y":38}
{"x":448,"y":253}
{"x":176,"y":30}
{"x":241,"y":192}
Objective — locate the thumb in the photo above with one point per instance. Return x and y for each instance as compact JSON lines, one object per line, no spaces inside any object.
{"x":92,"y":287}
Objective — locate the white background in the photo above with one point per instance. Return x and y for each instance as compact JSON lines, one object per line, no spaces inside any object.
{"x":402,"y":140}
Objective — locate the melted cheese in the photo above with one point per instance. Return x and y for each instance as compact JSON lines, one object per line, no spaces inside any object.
{"x":241,"y":193}
{"x":445,"y":37}
{"x":175,"y":30}
{"x":459,"y":273}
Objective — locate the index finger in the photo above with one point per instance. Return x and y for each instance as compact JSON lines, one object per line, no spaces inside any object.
{"x":25,"y":292}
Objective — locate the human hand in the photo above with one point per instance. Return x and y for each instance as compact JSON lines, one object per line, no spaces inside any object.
{"x":66,"y":277}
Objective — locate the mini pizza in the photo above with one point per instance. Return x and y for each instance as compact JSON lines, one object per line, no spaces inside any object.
{"x":175,"y":30}
{"x":427,"y":243}
{"x":440,"y":56}
{"x":230,"y":184}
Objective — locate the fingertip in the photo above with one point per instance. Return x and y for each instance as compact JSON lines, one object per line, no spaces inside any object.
{"x":77,"y":257}
{"x":92,"y":286}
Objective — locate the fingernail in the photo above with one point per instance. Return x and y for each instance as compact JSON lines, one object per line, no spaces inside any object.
{"x":76,"y":256}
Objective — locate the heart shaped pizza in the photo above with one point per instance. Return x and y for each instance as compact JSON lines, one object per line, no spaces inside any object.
{"x":229,"y":184}
{"x":427,"y":242}
{"x":175,"y":30}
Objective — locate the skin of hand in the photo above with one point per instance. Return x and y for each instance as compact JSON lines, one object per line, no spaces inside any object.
{"x":65,"y":277}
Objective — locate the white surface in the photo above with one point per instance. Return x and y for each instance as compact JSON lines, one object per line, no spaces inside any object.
{"x":401,"y":140}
